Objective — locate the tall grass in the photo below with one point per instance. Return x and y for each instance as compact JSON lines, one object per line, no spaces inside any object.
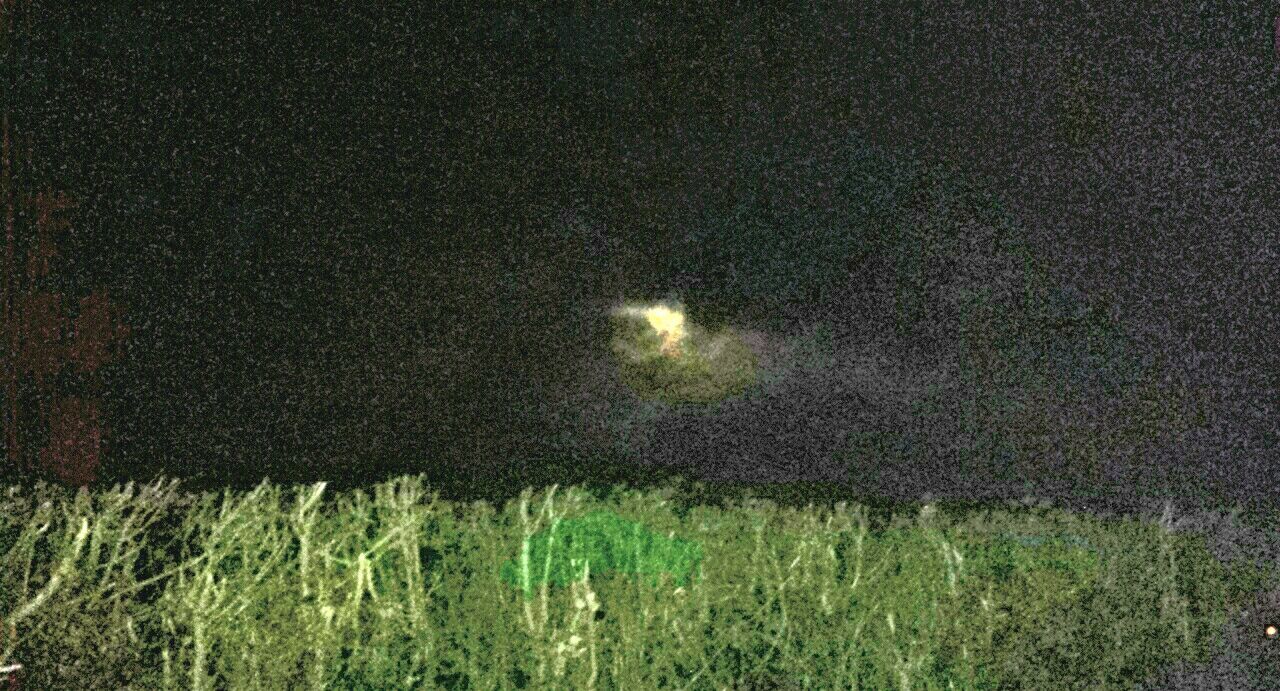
{"x":404,"y":591}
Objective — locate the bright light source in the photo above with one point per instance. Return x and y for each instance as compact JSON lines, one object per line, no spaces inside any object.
{"x":666,"y":322}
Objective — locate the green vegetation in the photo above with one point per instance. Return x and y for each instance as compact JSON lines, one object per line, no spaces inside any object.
{"x":599,"y":543}
{"x":156,"y":590}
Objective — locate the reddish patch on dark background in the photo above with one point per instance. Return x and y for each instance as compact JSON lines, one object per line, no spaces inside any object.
{"x":39,"y":344}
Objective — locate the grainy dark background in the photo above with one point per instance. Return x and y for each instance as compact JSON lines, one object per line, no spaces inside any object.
{"x":355,"y":243}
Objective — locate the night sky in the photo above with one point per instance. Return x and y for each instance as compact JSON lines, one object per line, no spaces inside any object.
{"x":354,"y":243}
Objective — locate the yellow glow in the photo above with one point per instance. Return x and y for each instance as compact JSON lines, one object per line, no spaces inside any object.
{"x":669,"y":325}
{"x":666,"y":322}
{"x":683,"y":364}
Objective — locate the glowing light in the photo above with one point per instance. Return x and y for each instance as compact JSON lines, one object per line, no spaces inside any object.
{"x":666,"y":322}
{"x":669,"y":325}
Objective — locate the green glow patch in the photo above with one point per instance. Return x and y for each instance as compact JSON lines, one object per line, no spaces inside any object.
{"x":609,"y":544}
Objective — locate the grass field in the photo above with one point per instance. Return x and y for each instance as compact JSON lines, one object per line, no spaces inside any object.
{"x":298,"y":589}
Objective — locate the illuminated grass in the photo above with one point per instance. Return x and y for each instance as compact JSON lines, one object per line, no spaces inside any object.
{"x":405,"y":591}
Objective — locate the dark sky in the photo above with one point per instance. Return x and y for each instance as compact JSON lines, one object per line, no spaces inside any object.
{"x":341,"y":235}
